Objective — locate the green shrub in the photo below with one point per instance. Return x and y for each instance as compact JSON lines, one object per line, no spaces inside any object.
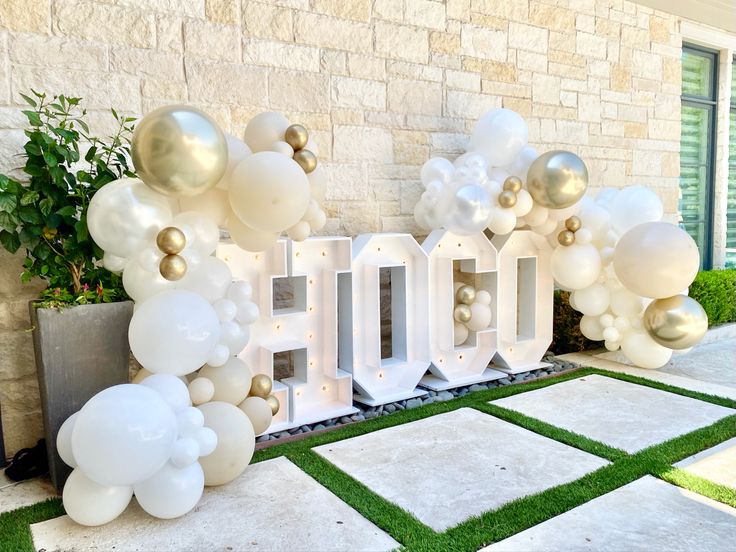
{"x":566,"y":335}
{"x":715,"y":290}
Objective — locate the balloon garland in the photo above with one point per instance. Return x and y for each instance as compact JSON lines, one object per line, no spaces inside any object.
{"x":191,"y":416}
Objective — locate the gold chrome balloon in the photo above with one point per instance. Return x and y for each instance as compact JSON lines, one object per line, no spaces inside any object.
{"x":179,"y":151}
{"x":273,"y":402}
{"x":557,"y":179}
{"x":573,"y":224}
{"x":296,"y":136}
{"x":677,"y":322}
{"x":173,"y":267}
{"x":260,"y":386}
{"x":171,"y":240}
{"x":462,"y":313}
{"x":566,"y":237}
{"x":507,"y":199}
{"x":465,"y":294}
{"x":306,"y":159}
{"x":512,"y":184}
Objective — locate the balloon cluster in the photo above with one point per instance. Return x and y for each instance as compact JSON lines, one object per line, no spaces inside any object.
{"x":628,"y":271}
{"x":472,"y":311}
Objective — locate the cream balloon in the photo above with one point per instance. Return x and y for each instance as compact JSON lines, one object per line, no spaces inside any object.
{"x":677,"y":322}
{"x":91,"y":504}
{"x":201,"y":390}
{"x":591,"y":328}
{"x":213,"y":205}
{"x":592,"y":300}
{"x":235,"y":442}
{"x":656,"y":259}
{"x":211,"y":279}
{"x":502,"y":221}
{"x":113,"y":263}
{"x":269,"y":192}
{"x":124,"y":213}
{"x":460,"y":334}
{"x":264,"y":129}
{"x":625,"y":303}
{"x":231,"y":380}
{"x":576,"y":266}
{"x":634,"y":205}
{"x":259,"y":413}
{"x":172,"y":491}
{"x":237,"y":150}
{"x":179,"y":150}
{"x":643,"y":351}
{"x":249,"y":238}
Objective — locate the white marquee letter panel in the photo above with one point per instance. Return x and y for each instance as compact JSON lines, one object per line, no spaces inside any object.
{"x":318,"y":390}
{"x":468,"y":363}
{"x":382,"y":380}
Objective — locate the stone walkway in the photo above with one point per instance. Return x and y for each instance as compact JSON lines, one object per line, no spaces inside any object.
{"x":449,"y":467}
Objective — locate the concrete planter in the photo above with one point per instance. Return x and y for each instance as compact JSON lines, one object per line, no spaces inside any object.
{"x":79,"y":351}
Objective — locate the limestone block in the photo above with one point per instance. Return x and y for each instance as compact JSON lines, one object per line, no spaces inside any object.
{"x":227,"y":83}
{"x":402,"y":42}
{"x":169,"y":35}
{"x":212,"y":40}
{"x":24,"y":16}
{"x":551,"y":17}
{"x":366,"y":67}
{"x":298,"y":91}
{"x":358,"y":93}
{"x":590,"y":45}
{"x":545,"y":89}
{"x":137,"y":61}
{"x":483,"y":43}
{"x":52,"y":51}
{"x":415,"y":97}
{"x":470,"y":105}
{"x":352,"y":143}
{"x":267,"y":21}
{"x":463,"y":80}
{"x":390,"y":10}
{"x":528,"y":37}
{"x":346,"y":182}
{"x":222,"y":11}
{"x":447,"y":43}
{"x":279,"y":54}
{"x":105,"y":23}
{"x":359,"y":10}
{"x":328,"y":32}
{"x":425,"y":13}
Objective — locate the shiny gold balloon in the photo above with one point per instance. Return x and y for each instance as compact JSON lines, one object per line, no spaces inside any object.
{"x":462,"y":313}
{"x":512,"y":184}
{"x":179,"y":151}
{"x":507,"y":199}
{"x":260,"y":386}
{"x":173,"y":267}
{"x":557,"y":179}
{"x":573,"y":224}
{"x":465,"y":294}
{"x":306,"y":159}
{"x":677,"y":322}
{"x":296,"y":136}
{"x":171,"y":240}
{"x":566,"y":238}
{"x":273,"y":402}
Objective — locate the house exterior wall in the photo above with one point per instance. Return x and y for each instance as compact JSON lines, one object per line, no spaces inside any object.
{"x":382,"y":85}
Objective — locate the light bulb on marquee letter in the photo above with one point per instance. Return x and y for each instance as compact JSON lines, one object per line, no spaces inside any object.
{"x":382,"y":380}
{"x":468,"y":363}
{"x":318,"y":390}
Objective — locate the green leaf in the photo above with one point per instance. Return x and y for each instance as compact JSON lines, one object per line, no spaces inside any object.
{"x":50,"y":159}
{"x":29,"y":214}
{"x":45,"y":205}
{"x":90,"y":155}
{"x":114,"y":113}
{"x":82,"y":232}
{"x":29,"y":197}
{"x":10,"y":241}
{"x":8,"y":221}
{"x":67,"y":211}
{"x":30,"y":101}
{"x":7,"y":202}
{"x":32,"y":117}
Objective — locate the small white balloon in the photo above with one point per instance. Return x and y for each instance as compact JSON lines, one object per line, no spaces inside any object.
{"x":240,"y":291}
{"x":300,"y":231}
{"x":201,"y":390}
{"x":643,"y":351}
{"x":207,"y":441}
{"x":172,"y":492}
{"x":226,"y":309}
{"x":64,"y":441}
{"x":171,"y":389}
{"x":185,"y":452}
{"x":205,"y":231}
{"x":212,"y":204}
{"x":264,"y":129}
{"x":234,"y":336}
{"x":249,"y":238}
{"x":481,"y":317}
{"x":237,"y":150}
{"x":548,"y":226}
{"x":211,"y":279}
{"x":591,"y":328}
{"x":583,"y":236}
{"x":482,"y":296}
{"x":248,"y":312}
{"x":537,"y":215}
{"x":460,"y":334}
{"x":283,"y":148}
{"x":499,"y":136}
{"x":219,"y":356}
{"x":189,"y":421}
{"x":113,"y":263}
{"x":437,"y":168}
{"x":635,"y":205}
{"x":592,"y":300}
{"x":524,"y":203}
{"x":611,"y":334}
{"x":502,"y":221}
{"x":91,"y":504}
{"x":625,"y":303}
{"x":606,"y":320}
{"x":140,"y":284}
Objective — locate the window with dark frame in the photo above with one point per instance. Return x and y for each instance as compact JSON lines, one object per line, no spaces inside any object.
{"x":731,"y":192}
{"x":697,"y":147}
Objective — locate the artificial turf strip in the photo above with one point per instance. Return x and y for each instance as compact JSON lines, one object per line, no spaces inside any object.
{"x":491,"y":526}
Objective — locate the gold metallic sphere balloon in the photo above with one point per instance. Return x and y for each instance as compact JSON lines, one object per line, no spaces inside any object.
{"x":677,"y":322}
{"x":173,"y":267}
{"x":573,"y":224}
{"x":462,"y":313}
{"x":296,"y":136}
{"x":566,"y":238}
{"x":465,"y":294}
{"x":507,"y":199}
{"x":260,"y":386}
{"x":306,"y":159}
{"x":557,"y":179}
{"x":273,"y":402}
{"x":179,"y":151}
{"x":171,"y":240}
{"x":512,"y":184}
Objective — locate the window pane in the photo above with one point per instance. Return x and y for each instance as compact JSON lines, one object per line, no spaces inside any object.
{"x":731,"y":200}
{"x":696,"y":74}
{"x":696,"y":131}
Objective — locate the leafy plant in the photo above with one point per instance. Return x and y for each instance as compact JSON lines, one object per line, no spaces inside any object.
{"x":47,"y":214}
{"x":715,"y":290}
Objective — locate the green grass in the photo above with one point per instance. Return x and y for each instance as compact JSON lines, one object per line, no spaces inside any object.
{"x":490,"y":526}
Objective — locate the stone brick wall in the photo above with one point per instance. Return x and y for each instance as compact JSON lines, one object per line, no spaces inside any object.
{"x":382,"y":85}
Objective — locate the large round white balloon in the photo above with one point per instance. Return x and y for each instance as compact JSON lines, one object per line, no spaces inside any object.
{"x":235,"y":442}
{"x":634,"y":205}
{"x":123,"y":435}
{"x":592,"y":300}
{"x":174,"y":332}
{"x":64,"y":441}
{"x":210,"y":279}
{"x":499,"y":136}
{"x":231,"y":381}
{"x":89,"y":503}
{"x":264,"y":129}
{"x":172,"y":491}
{"x":437,"y":168}
{"x":656,"y":259}
{"x":643,"y":351}
{"x":124,"y":212}
{"x":269,"y":192}
{"x":576,"y":266}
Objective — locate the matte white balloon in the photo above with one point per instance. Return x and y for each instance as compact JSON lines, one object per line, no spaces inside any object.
{"x":249,"y":238}
{"x":89,"y":503}
{"x":259,"y":413}
{"x":235,"y":442}
{"x":264,"y":129}
{"x":240,"y":291}
{"x":141,"y":284}
{"x":481,"y":317}
{"x":185,"y":452}
{"x":502,"y":221}
{"x":207,"y":441}
{"x":482,"y":296}
{"x":172,"y":492}
{"x":213,"y":205}
{"x":248,"y":312}
{"x":201,"y":390}
{"x":237,"y":150}
{"x":499,"y":136}
{"x":524,"y":203}
{"x":219,"y":355}
{"x":225,"y":309}
{"x":437,"y":168}
{"x":172,"y":390}
{"x":211,"y":279}
{"x":634,"y":205}
{"x":460,"y":334}
{"x":113,"y":263}
{"x":592,"y":300}
{"x":189,"y":421}
{"x":643,"y":351}
{"x":300,"y":231}
{"x":206,"y":233}
{"x":591,"y":328}
{"x":174,"y":332}
{"x":235,"y":336}
{"x":625,"y":303}
{"x":537,"y":215}
{"x":576,"y":266}
{"x":64,"y":441}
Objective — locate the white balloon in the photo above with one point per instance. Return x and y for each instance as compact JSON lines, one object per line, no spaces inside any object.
{"x":192,"y":257}
{"x":206,"y":234}
{"x":656,"y":259}
{"x":482,"y":296}
{"x":231,"y":380}
{"x":174,"y":332}
{"x":189,"y":421}
{"x":219,"y":356}
{"x":211,"y":279}
{"x":611,"y":334}
{"x":300,"y":231}
{"x":596,"y":219}
{"x":150,"y":258}
{"x":606,"y":196}
{"x":64,"y":441}
{"x":502,"y":221}
{"x":240,"y":291}
{"x":172,"y":390}
{"x":591,"y":328}
{"x":461,"y":333}
{"x":207,"y":441}
{"x":259,"y":413}
{"x":625,"y":303}
{"x":317,"y":183}
{"x":269,"y":192}
{"x":249,"y":238}
{"x":592,"y":300}
{"x":234,"y":336}
{"x":583,"y":236}
{"x":537,"y":215}
{"x":634,"y":205}
{"x":481,"y":317}
{"x":264,"y":129}
{"x":185,"y":452}
{"x":612,"y":345}
{"x":248,"y":312}
{"x":141,"y":284}
{"x":606,"y":320}
{"x":113,"y":263}
{"x":235,"y":442}
{"x":89,"y":503}
{"x":524,"y":203}
{"x":548,"y":226}
{"x":225,"y":309}
{"x":643,"y":351}
{"x":283,"y":148}
{"x":172,"y":492}
{"x":201,"y":390}
{"x":237,"y":150}
{"x":125,"y":212}
{"x":576,"y":266}
{"x":213,"y":204}
{"x":499,"y":136}
{"x":123,"y":435}
{"x":437,"y":168}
